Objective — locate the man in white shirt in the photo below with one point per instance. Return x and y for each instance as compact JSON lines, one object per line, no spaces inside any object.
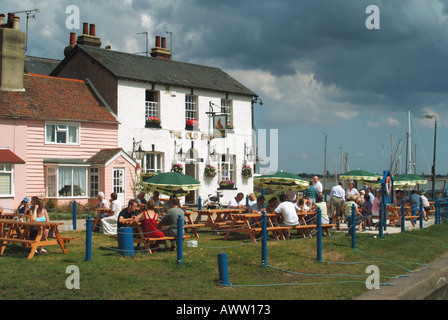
{"x":317,"y":185}
{"x":337,"y":199}
{"x":237,"y":202}
{"x":287,"y":211}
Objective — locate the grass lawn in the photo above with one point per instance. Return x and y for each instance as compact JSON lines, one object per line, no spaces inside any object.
{"x":294,"y":271}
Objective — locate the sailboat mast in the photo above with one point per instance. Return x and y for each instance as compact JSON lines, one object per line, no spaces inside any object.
{"x":409,"y":146}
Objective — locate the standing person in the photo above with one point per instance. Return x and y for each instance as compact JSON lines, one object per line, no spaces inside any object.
{"x":376,"y":204}
{"x":237,"y":202}
{"x":426,"y":206}
{"x":127,"y":213}
{"x":415,"y":201}
{"x":109,"y":224}
{"x":40,"y":214}
{"x":366,"y":210}
{"x":311,"y":192}
{"x":170,"y":220}
{"x":337,"y":199}
{"x":318,"y":185}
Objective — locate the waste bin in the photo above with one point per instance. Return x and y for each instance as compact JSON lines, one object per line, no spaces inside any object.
{"x":126,"y":242}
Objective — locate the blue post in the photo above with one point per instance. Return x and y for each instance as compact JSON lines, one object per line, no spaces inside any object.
{"x":199,"y":203}
{"x":222,"y":267}
{"x":75,"y":209}
{"x":381,"y":228}
{"x":384,"y":207}
{"x":436,"y":212}
{"x":421,"y":213}
{"x":353,"y":226}
{"x":247,"y":201}
{"x":319,"y":235}
{"x":89,"y":239}
{"x":264,"y":246}
{"x":263,"y":193}
{"x":180,"y":235}
{"x":403,"y":215}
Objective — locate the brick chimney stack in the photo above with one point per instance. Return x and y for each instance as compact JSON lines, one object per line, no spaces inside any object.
{"x":160,"y":51}
{"x":89,"y":39}
{"x":12,"y":55}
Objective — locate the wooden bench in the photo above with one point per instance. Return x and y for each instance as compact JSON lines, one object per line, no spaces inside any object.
{"x":151,"y":241}
{"x":306,"y":230}
{"x":64,"y":239}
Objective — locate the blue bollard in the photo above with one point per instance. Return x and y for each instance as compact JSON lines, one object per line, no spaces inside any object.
{"x":126,"y":242}
{"x":247,"y":201}
{"x":89,"y":239}
{"x":264,"y":246}
{"x":199,"y":203}
{"x":421,"y":213}
{"x":436,"y":213}
{"x":222,"y":267}
{"x":353,"y":227}
{"x":263,"y":193}
{"x":319,"y":235}
{"x":403,"y":214}
{"x":75,"y":213}
{"x":180,"y":236}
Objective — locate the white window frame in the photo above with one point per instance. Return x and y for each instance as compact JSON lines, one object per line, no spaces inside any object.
{"x":227,"y":108}
{"x":4,"y":170}
{"x":59,"y":127}
{"x":156,"y":168}
{"x":227,"y":167}
{"x":191,"y":107}
{"x":55,"y":175}
{"x":152,"y":108}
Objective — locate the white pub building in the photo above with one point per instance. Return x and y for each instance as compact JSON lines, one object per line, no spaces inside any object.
{"x":172,"y":113}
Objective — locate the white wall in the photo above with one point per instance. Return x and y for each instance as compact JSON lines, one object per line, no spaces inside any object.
{"x":131,"y":114}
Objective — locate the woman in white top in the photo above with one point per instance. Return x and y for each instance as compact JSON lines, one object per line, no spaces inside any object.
{"x":351,"y":191}
{"x":109,"y":224}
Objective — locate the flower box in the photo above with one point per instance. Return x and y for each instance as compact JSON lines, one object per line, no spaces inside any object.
{"x":226,"y":184}
{"x":177,"y":168}
{"x":153,"y":122}
{"x":192,"y":125}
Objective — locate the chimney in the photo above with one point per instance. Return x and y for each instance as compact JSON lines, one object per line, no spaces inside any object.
{"x":71,"y":45}
{"x":87,"y":39}
{"x":12,"y":56}
{"x":160,"y":51}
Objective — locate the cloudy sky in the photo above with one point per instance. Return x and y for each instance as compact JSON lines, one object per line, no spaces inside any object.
{"x":320,"y":72}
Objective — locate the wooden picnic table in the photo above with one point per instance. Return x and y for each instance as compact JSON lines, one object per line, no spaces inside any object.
{"x":13,"y":231}
{"x":250,"y":223}
{"x":25,"y":217}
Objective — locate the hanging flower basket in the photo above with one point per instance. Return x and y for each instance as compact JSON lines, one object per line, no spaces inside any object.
{"x":246,"y":172}
{"x":177,"y":168}
{"x":210,"y":171}
{"x":226,"y":184}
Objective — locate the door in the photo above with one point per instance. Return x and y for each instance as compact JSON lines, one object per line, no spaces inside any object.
{"x":190,"y":170}
{"x":119,"y":185}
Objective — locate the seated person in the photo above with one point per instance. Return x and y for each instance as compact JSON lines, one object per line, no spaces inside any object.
{"x":24,"y":206}
{"x":156,"y":198}
{"x":109,"y":223}
{"x":237,"y":202}
{"x":322,"y":205}
{"x":287,"y":211}
{"x":170,"y":220}
{"x":301,"y":206}
{"x":127,"y":213}
{"x":141,"y":198}
{"x":149,"y":219}
{"x":351,"y":201}
{"x":272,"y":204}
{"x":252,"y":199}
{"x":257,"y":207}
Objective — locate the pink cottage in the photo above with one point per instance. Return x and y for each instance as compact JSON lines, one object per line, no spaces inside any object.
{"x":58,"y":137}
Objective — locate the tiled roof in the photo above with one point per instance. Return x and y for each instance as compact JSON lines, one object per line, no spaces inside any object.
{"x":104,"y":155}
{"x":50,"y":98}
{"x":38,"y":65}
{"x":159,"y":71}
